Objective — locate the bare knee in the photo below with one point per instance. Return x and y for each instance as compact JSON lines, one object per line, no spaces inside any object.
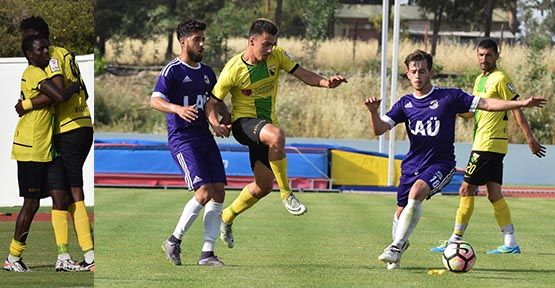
{"x":204,"y":193}
{"x":467,"y":189}
{"x":273,"y":137}
{"x":30,"y":205}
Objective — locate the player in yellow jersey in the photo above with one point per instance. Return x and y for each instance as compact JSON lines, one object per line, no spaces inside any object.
{"x":252,"y":79}
{"x":73,"y":137}
{"x":32,"y":146}
{"x":490,"y":144}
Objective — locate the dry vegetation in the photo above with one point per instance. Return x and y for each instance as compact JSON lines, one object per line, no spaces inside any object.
{"x":122,"y":102}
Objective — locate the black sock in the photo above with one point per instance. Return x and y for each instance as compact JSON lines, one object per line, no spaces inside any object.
{"x":206,"y":254}
{"x":174,"y":240}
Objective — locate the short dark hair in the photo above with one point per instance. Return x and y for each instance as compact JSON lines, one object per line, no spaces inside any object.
{"x":35,"y":23}
{"x":187,"y":27}
{"x":261,"y":25}
{"x":27,"y":43}
{"x":488,"y":43}
{"x":419,"y":55}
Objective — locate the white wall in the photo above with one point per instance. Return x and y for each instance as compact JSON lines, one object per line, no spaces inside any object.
{"x":11,"y":70}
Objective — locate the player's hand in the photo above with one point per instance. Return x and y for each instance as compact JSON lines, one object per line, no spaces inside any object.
{"x":372,"y":104}
{"x":19,"y":108}
{"x":187,"y":113}
{"x":537,"y":149}
{"x":222,"y":130}
{"x":335,"y":81}
{"x":535,"y":101}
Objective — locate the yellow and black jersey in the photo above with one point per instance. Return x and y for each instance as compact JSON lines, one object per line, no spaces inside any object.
{"x":73,"y":113}
{"x":490,"y":128}
{"x":253,"y":88}
{"x":33,"y":134}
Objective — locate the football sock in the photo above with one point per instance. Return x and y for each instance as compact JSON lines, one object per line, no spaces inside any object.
{"x":64,"y":256}
{"x":61,"y":227}
{"x":212,"y":218}
{"x":464,"y":212}
{"x":12,"y":258}
{"x":503,"y":217}
{"x":188,"y":216}
{"x":82,"y":225}
{"x":243,"y":202}
{"x":394,"y":226}
{"x":206,"y":254}
{"x":89,"y":256}
{"x":17,"y":248}
{"x":407,"y":222}
{"x":279,"y":167}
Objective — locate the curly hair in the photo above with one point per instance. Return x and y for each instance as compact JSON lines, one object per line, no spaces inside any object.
{"x":35,"y":23}
{"x":187,"y":27}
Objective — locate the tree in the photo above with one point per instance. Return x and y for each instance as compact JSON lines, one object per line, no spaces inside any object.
{"x":317,"y":16}
{"x":108,"y":16}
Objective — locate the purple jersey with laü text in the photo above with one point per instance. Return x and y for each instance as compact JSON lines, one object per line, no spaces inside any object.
{"x":430,"y":124}
{"x":184,"y":85}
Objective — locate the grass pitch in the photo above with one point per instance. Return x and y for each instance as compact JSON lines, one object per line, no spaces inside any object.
{"x":336,"y":244}
{"x":40,"y":257}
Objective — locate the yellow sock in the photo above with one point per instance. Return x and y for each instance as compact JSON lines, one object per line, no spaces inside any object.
{"x":464,"y":212}
{"x":279,"y":167}
{"x":17,"y":248}
{"x":502,"y":213}
{"x":243,"y":202}
{"x":61,"y":227}
{"x":82,"y":225}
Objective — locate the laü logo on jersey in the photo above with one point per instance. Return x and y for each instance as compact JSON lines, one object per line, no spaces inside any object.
{"x":428,"y":128}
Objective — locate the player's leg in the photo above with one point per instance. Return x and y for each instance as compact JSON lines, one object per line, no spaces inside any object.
{"x":74,"y":146}
{"x":274,"y":137}
{"x":212,"y":220}
{"x":502,"y":215}
{"x":57,"y":186}
{"x":32,"y":178}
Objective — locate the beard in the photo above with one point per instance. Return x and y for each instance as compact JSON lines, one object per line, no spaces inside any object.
{"x":197,"y":57}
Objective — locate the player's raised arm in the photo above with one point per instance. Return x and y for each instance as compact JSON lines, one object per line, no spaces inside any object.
{"x":493,"y":104}
{"x":378,"y":125}
{"x":316,"y":80}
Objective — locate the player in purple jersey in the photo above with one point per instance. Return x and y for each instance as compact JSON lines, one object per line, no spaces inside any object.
{"x":181,"y":92}
{"x":429,"y":115}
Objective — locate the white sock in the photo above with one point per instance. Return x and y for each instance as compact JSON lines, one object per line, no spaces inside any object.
{"x":394,"y":225}
{"x":188,"y":216}
{"x":509,"y":235}
{"x":64,"y":256}
{"x":89,"y":256}
{"x":454,"y":237}
{"x":212,"y":219}
{"x":13,"y":259}
{"x":407,"y":222}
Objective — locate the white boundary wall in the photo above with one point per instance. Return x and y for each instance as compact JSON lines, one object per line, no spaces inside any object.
{"x":11,"y":70}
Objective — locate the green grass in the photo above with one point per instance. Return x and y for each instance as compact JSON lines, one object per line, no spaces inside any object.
{"x":40,"y":257}
{"x":335,"y":245}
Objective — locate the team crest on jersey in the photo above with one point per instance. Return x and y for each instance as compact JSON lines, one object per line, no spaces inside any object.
{"x":434,"y":105}
{"x":54,"y":66}
{"x":511,"y":87}
{"x":206,"y":80}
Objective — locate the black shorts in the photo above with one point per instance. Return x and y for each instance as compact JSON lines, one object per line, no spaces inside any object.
{"x":32,"y":178}
{"x":73,"y":147}
{"x":57,"y":179}
{"x":484,"y":167}
{"x":247,"y":132}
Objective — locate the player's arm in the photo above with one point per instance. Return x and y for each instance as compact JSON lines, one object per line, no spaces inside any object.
{"x":536,"y":148}
{"x":214,"y":107}
{"x":378,"y":125}
{"x":494,"y":104}
{"x":314,"y":79}
{"x":50,"y":93}
{"x":187,"y":113}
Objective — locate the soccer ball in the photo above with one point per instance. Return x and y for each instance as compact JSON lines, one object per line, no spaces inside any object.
{"x":458,"y":257}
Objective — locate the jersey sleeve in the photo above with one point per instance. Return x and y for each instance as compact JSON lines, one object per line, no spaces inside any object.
{"x":285,"y":62}
{"x":506,"y":89}
{"x":162,"y":85}
{"x":464,"y":102}
{"x":224,"y":83}
{"x":396,"y":115}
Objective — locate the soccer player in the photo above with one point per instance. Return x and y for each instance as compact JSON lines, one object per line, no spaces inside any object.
{"x":181,"y":92}
{"x":32,"y":146}
{"x":252,"y":79}
{"x":485,"y":166}
{"x":73,"y":137}
{"x":429,"y":116}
